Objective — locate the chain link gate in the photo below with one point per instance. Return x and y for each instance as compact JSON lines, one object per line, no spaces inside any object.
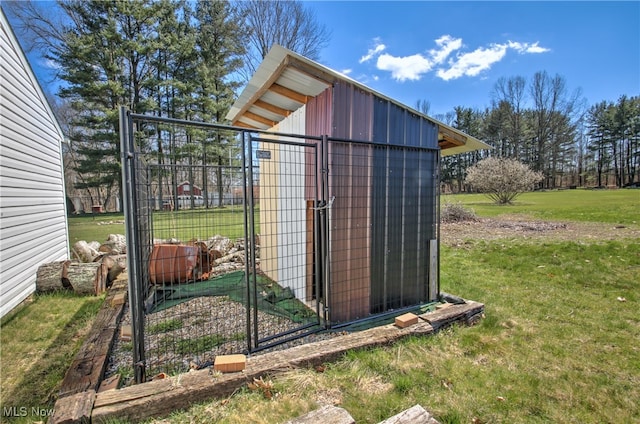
{"x":222,"y":249}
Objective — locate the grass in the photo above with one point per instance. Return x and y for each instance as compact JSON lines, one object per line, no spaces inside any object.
{"x":556,"y":345}
{"x":87,"y":228}
{"x":165,"y":326}
{"x":610,"y":206}
{"x":38,"y":342}
{"x":182,"y":224}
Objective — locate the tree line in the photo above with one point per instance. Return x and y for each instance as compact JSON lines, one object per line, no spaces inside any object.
{"x":168,"y":58}
{"x":543,"y":125}
{"x":186,"y":60}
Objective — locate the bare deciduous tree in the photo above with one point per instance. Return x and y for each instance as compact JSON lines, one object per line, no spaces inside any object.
{"x":502,"y":179}
{"x":287,"y":23}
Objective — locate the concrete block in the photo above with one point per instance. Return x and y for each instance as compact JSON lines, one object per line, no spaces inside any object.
{"x":125,"y":333}
{"x":406,"y":320}
{"x":230,"y":363}
{"x":118,"y":299}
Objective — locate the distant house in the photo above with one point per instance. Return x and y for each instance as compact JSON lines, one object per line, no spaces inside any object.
{"x":33,"y":225}
{"x":187,"y":189}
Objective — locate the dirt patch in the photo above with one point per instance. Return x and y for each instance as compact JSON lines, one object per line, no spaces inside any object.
{"x":457,"y":234}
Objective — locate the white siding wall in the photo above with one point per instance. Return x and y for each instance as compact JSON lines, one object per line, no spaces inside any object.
{"x":33,"y":225}
{"x":292,"y":207}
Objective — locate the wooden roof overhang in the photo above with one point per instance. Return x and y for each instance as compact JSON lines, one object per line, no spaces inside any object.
{"x":285,"y":81}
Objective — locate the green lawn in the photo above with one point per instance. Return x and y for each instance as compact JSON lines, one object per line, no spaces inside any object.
{"x":38,"y":341}
{"x":182,"y":224}
{"x":556,"y":344}
{"x":611,"y":206}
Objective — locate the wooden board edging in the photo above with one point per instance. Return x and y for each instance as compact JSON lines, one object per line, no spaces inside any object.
{"x":87,"y":369}
{"x":161,"y":397}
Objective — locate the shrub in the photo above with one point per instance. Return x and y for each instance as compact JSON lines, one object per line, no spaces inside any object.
{"x":455,"y":212}
{"x":501,"y":179}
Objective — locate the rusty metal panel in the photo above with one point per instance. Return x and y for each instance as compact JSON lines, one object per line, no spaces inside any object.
{"x":362,"y":115}
{"x":342,"y":111}
{"x":319,"y":113}
{"x":318,"y":123}
{"x":350,"y":182}
{"x":352,"y":113}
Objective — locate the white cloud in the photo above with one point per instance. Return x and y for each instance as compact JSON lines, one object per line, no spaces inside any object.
{"x":412,"y":67}
{"x":347,"y":71}
{"x":535,"y":48}
{"x":447,"y":44}
{"x":405,"y":68}
{"x":378,"y":48}
{"x":523,"y":48}
{"x":470,"y":64}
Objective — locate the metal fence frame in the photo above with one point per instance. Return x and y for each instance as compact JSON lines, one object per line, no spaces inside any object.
{"x":139,"y":234}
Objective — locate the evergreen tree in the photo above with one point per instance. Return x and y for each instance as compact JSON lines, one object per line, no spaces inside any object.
{"x":105,"y":60}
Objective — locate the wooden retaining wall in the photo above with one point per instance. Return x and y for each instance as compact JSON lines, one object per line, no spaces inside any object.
{"x":161,"y":397}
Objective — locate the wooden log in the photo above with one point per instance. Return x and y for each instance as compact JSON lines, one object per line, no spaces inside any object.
{"x":74,"y":409}
{"x":115,"y":265}
{"x":326,"y":414}
{"x":116,"y":244}
{"x":84,"y":278}
{"x":414,"y":415}
{"x":85,"y":252}
{"x":49,"y":277}
{"x":467,"y":313}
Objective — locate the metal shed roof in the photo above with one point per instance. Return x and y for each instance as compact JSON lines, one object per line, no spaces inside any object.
{"x":285,"y":81}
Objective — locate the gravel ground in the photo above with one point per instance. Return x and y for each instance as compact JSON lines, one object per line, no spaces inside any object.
{"x":200,"y":318}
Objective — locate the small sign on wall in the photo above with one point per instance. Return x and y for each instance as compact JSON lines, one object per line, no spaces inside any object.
{"x":263,"y":154}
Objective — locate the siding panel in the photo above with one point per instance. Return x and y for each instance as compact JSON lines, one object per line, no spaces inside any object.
{"x":350,"y":177}
{"x":33,"y":229}
{"x":403,"y":208}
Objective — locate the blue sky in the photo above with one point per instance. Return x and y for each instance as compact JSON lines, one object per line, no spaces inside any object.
{"x":452,"y":53}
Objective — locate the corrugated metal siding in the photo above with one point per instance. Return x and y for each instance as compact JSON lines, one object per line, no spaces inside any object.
{"x":317,"y":123}
{"x":403,"y":207}
{"x":350,"y":182}
{"x":32,"y":200}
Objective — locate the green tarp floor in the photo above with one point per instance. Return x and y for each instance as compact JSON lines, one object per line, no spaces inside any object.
{"x":271,"y":297}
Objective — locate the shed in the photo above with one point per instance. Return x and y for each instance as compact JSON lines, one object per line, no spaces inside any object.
{"x":188,"y":189}
{"x":33,"y":228}
{"x":383,"y":171}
